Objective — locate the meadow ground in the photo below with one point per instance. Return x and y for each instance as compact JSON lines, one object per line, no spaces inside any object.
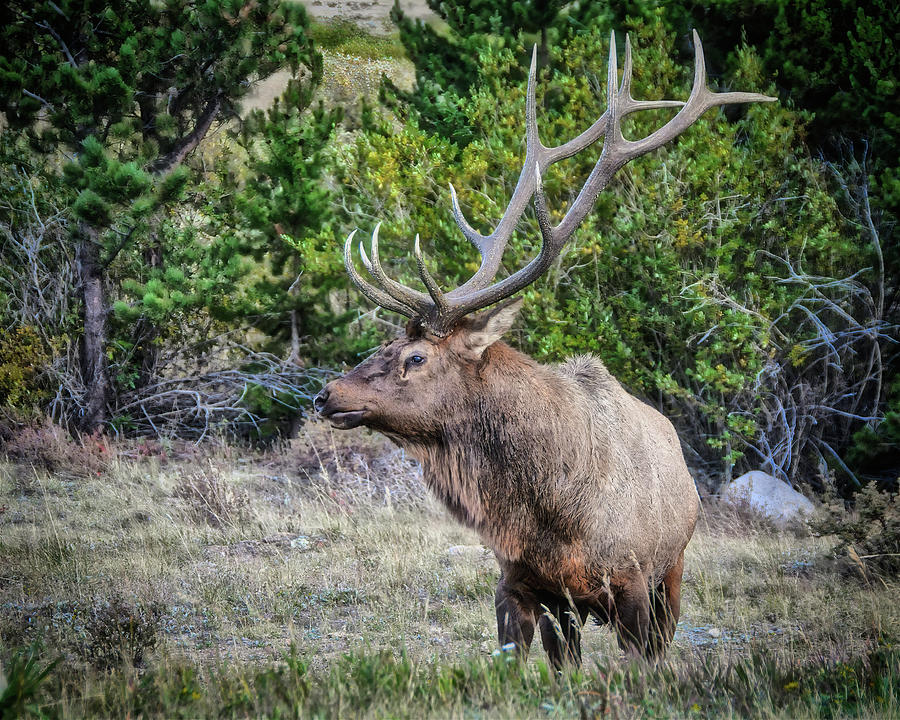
{"x":322,"y":581}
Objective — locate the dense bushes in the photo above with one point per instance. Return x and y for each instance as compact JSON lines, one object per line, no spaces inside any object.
{"x":22,"y":356}
{"x":869,"y":534}
{"x":706,"y":273}
{"x":835,"y":59}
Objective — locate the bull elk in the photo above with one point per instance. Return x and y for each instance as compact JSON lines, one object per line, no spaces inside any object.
{"x":579,"y":488}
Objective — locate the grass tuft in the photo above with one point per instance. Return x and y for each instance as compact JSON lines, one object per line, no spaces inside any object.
{"x":341,"y":35}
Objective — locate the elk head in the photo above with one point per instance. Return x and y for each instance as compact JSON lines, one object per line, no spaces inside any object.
{"x":410,"y":387}
{"x":406,"y":387}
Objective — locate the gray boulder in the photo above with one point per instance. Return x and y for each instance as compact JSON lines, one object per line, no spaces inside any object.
{"x":767,"y":495}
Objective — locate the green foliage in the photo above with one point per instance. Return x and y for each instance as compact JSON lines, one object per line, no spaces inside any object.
{"x":22,"y":358}
{"x":346,"y":37}
{"x":869,"y":533}
{"x":675,"y":278}
{"x":835,"y":59}
{"x":447,"y":62}
{"x":129,"y":94}
{"x":91,"y":66}
{"x":875,"y":450}
{"x":382,"y":684}
{"x":284,"y":221}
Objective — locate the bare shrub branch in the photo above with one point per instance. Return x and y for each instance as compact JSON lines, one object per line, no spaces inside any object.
{"x":190,"y":405}
{"x":824,"y":376}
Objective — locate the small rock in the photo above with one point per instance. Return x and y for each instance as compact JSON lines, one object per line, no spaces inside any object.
{"x":714,"y":632}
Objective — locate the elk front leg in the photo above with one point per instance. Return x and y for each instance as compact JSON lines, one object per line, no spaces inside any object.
{"x":561,"y":633}
{"x":632,"y":615}
{"x":515,"y":618}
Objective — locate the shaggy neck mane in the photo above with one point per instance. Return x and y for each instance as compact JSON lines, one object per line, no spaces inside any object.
{"x":504,"y":434}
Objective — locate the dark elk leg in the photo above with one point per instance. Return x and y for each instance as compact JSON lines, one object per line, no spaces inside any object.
{"x":515,"y":618}
{"x":561,"y":633}
{"x":632,"y":615}
{"x":666,"y":609}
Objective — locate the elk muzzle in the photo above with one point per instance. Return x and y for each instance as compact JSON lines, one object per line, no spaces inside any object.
{"x":329,"y":404}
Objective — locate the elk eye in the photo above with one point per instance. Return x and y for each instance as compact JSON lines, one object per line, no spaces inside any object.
{"x":415,"y":360}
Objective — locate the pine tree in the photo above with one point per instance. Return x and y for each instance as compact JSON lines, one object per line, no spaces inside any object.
{"x":122,"y":95}
{"x":447,"y":62}
{"x":284,"y":219}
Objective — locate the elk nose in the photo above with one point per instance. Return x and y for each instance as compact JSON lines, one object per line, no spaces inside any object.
{"x":321,"y":399}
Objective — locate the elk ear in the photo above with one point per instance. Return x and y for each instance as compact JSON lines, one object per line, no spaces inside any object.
{"x":489,"y":326}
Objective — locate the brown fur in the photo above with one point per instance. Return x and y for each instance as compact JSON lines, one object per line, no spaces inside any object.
{"x":579,"y":488}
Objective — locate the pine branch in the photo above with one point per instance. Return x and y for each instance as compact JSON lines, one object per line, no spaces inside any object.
{"x":65,"y":48}
{"x":176,"y":156}
{"x":125,"y":237}
{"x":38,"y":98}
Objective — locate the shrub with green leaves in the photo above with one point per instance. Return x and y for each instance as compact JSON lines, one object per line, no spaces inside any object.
{"x":447,"y":60}
{"x":681,"y":280}
{"x":833,"y":58}
{"x":869,"y":533}
{"x":22,"y":358}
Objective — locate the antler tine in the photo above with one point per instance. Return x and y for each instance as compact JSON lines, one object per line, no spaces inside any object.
{"x":627,"y":103}
{"x":440,"y":302}
{"x":492,"y":246}
{"x":617,"y":151}
{"x":551,"y":244}
{"x":399,"y":292}
{"x":470,"y":233}
{"x":596,"y":131}
{"x":377,"y":296}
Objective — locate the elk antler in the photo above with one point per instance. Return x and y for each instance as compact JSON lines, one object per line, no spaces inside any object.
{"x":439,"y":311}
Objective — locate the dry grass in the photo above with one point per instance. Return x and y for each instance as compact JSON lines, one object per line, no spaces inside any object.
{"x":333,"y":547}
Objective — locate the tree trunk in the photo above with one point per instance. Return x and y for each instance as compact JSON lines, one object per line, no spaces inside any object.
{"x":94,"y":367}
{"x":544,"y":50}
{"x":145,"y":330}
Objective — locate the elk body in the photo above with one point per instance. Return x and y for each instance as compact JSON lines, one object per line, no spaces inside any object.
{"x":579,"y":488}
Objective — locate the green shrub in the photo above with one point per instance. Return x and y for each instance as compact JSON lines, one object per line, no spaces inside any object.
{"x":869,"y":533}
{"x":344,"y":36}
{"x":22,"y":358}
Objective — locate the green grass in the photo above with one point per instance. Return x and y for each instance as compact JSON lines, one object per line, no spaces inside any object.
{"x":345,"y":37}
{"x":322,"y":585}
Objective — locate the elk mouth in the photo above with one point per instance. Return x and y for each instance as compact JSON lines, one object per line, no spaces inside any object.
{"x":346,"y":419}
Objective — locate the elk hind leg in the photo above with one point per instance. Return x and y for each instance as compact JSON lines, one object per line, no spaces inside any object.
{"x":560,"y":626}
{"x":515,"y":618}
{"x":666,"y":609}
{"x":632,"y":615}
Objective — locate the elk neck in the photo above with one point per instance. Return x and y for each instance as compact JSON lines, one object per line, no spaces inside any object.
{"x":508,"y":438}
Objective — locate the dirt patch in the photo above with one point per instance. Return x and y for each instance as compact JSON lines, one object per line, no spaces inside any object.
{"x":348,"y":78}
{"x":372,"y":15}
